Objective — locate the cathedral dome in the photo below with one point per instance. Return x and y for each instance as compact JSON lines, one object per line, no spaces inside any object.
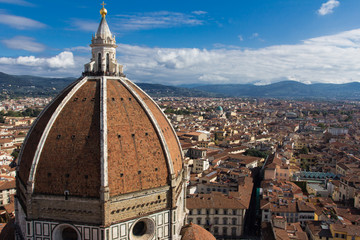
{"x":192,"y":231}
{"x":100,"y":129}
{"x":101,"y":161}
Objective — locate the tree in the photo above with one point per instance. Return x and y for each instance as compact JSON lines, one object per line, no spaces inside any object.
{"x":322,"y":126}
{"x":15,"y":153}
{"x":304,"y":150}
{"x":256,"y":153}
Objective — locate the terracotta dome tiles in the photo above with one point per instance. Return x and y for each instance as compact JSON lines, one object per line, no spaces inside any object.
{"x":166,"y":128}
{"x":136,"y":159}
{"x":70,"y":156}
{"x":194,"y":232}
{"x":70,"y":159}
{"x":35,"y":134}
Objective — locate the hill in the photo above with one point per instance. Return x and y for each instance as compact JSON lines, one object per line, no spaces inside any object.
{"x":158,"y":90}
{"x":21,"y":86}
{"x":288,"y":89}
{"x":32,"y":86}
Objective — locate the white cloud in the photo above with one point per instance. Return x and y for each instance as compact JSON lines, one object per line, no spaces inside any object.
{"x":17,"y":2}
{"x":256,"y":36}
{"x":199,"y":12}
{"x":151,"y":20}
{"x":331,"y":59}
{"x":213,"y":78}
{"x":63,"y":60}
{"x":241,"y":38}
{"x":19,"y":22}
{"x":144,"y":21}
{"x":85,"y":25}
{"x":24,"y":43}
{"x":328,"y":7}
{"x":344,"y":39}
{"x":81,"y":49}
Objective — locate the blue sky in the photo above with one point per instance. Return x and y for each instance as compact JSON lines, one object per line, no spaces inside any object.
{"x":184,"y":42}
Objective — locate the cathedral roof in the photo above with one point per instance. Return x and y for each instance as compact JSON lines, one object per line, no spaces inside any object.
{"x":195,"y":232}
{"x":102,"y":153}
{"x":100,"y":132}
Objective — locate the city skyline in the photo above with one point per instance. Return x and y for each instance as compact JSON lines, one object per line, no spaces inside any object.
{"x":203,"y":42}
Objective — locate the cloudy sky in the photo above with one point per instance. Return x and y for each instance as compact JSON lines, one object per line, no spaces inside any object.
{"x":188,"y":42}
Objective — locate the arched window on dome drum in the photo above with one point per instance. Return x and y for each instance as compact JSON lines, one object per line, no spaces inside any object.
{"x":107,"y":63}
{"x":99,"y":62}
{"x":69,"y":234}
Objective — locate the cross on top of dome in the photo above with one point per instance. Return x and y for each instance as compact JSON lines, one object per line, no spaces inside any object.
{"x":103,"y":11}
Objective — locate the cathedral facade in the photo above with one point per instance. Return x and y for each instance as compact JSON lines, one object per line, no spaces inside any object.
{"x":101,"y":161}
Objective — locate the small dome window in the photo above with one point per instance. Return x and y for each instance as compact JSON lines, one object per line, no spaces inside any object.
{"x":142,"y":229}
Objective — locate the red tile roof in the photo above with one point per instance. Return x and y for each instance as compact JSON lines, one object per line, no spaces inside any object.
{"x":195,"y":232}
{"x":140,"y":142}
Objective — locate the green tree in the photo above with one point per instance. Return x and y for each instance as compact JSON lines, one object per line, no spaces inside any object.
{"x":256,"y":153}
{"x":15,"y":153}
{"x":304,"y":150}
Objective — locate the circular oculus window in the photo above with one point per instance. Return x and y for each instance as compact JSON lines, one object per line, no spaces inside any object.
{"x":143,"y":229}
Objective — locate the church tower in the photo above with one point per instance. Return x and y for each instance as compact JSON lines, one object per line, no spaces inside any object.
{"x":103,"y":46}
{"x":101,"y":161}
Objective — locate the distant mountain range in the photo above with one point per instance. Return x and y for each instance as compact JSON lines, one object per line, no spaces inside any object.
{"x":20,"y":86}
{"x":288,"y":89}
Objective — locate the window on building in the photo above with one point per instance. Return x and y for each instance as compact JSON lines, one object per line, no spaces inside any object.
{"x":198,"y":221}
{"x":233,"y":231}
{"x":234,"y":220}
{"x":225,"y":231}
{"x":107,"y":62}
{"x":190,"y":220}
{"x":234,"y":212}
{"x":207,"y":211}
{"x":99,"y":62}
{"x":225,"y":212}
{"x":216,"y":230}
{"x":28,"y":229}
{"x":70,"y":233}
{"x":225,"y":221}
{"x":190,"y":212}
{"x":216,"y":211}
{"x":216,"y":220}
